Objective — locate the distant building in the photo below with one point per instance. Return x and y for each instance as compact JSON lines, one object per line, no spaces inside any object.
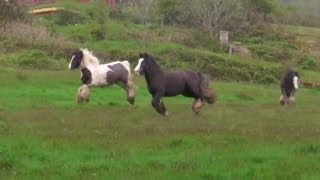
{"x":34,"y":2}
{"x":112,"y":3}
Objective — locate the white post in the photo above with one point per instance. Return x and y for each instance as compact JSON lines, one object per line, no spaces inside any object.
{"x":224,"y":37}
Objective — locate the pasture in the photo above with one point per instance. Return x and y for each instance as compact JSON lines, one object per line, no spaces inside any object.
{"x":245,"y":135}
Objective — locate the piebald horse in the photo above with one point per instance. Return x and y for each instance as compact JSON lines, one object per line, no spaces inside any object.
{"x":94,"y":74}
{"x":289,"y":85}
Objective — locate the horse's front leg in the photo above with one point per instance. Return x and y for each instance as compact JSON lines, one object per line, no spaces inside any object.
{"x":283,"y":98}
{"x":292,"y":99}
{"x":131,"y":94}
{"x":197,"y":104}
{"x":158,"y":105}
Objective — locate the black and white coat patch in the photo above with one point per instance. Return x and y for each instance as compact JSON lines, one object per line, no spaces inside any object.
{"x":289,"y":85}
{"x":94,"y":74}
{"x":106,"y":74}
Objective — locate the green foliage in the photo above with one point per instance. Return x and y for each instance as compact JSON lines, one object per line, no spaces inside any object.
{"x":263,"y":51}
{"x":11,"y":11}
{"x":169,"y":11}
{"x":175,"y":48}
{"x":240,"y":70}
{"x":85,"y":22}
{"x":33,"y":59}
{"x":98,"y":33}
{"x":261,"y":6}
{"x":65,"y":17}
{"x":298,"y":12}
{"x":280,"y":52}
{"x":307,"y":62}
{"x":177,"y":12}
{"x":201,"y":39}
{"x":227,"y":67}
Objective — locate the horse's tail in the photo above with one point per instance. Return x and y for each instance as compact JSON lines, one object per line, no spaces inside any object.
{"x":206,"y":92}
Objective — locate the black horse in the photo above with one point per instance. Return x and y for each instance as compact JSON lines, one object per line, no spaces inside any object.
{"x":289,"y":86}
{"x":168,"y":84}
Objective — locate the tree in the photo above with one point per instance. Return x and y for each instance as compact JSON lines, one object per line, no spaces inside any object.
{"x":143,"y":10}
{"x":259,"y":8}
{"x":217,"y":15}
{"x":10,"y":11}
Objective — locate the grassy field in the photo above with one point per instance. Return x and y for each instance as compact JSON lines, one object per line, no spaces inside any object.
{"x":245,"y":135}
{"x":305,"y":33}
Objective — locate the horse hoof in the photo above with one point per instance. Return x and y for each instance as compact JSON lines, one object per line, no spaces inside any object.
{"x":166,"y":113}
{"x":131,"y":101}
{"x":282,"y":103}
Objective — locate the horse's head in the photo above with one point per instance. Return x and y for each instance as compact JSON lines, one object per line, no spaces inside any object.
{"x":76,"y":60}
{"x":141,"y":66}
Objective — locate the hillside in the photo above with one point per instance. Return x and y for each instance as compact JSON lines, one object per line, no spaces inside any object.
{"x":48,"y":43}
{"x":311,"y":5}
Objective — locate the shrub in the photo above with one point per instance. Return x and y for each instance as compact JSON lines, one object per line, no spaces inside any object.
{"x":34,"y":59}
{"x":11,"y":11}
{"x":225,"y":67}
{"x":98,"y":33}
{"x":307,"y":62}
{"x":65,"y":17}
{"x":25,"y":31}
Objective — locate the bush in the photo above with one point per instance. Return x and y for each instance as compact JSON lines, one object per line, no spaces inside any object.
{"x":33,"y":59}
{"x":65,"y":17}
{"x":225,"y":67}
{"x":11,"y":11}
{"x":307,"y":62}
{"x":98,"y":33}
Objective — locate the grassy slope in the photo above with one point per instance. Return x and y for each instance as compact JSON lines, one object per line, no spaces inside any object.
{"x":308,"y":34}
{"x":186,"y":49}
{"x":44,"y":133}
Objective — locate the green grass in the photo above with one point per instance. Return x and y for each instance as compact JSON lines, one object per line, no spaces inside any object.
{"x":310,"y":76}
{"x":245,"y":135}
{"x":305,"y":33}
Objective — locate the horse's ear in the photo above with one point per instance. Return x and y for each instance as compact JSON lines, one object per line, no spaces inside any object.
{"x":140,"y":55}
{"x":146,"y":55}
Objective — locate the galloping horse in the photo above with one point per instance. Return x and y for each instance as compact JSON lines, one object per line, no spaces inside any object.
{"x":168,"y":84}
{"x":289,"y":86}
{"x":95,"y":74}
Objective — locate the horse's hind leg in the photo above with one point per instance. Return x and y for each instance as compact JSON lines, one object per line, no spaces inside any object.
{"x":197,"y":105}
{"x":158,"y":105}
{"x":282,"y":100}
{"x":129,"y":87}
{"x":130,"y":92}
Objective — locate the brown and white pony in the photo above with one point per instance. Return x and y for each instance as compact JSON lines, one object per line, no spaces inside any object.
{"x":94,"y":74}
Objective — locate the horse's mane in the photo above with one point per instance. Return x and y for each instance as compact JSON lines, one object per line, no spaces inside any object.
{"x":89,"y":58}
{"x":152,"y":62}
{"x":286,"y":80}
{"x":290,"y":73}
